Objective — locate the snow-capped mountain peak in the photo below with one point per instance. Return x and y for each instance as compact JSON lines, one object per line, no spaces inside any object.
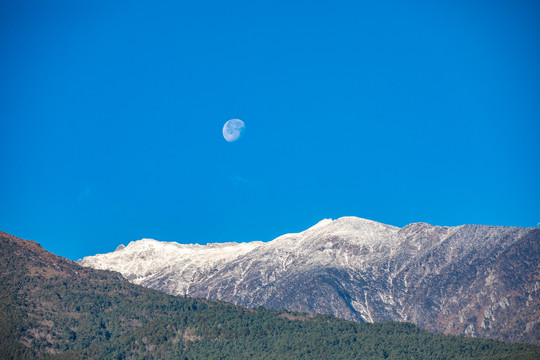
{"x":469,"y":280}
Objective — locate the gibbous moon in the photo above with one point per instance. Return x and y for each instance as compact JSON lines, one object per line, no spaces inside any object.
{"x":233,"y":129}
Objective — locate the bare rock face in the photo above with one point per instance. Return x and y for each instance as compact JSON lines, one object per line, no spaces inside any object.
{"x":468,"y":280}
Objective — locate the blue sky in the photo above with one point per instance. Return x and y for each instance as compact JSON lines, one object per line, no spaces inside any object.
{"x":111,"y":116}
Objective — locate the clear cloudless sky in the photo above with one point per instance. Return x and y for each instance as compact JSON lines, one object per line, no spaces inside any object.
{"x":111,"y":116}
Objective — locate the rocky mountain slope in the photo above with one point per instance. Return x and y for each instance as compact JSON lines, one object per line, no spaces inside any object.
{"x":470,"y":280}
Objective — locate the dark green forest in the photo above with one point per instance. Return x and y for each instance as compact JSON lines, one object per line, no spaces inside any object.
{"x":51,"y":308}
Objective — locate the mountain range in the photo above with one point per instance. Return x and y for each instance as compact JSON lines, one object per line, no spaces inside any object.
{"x":52,"y":308}
{"x":471,"y":280}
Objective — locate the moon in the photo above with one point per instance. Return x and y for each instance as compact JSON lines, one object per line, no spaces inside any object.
{"x":233,"y":129}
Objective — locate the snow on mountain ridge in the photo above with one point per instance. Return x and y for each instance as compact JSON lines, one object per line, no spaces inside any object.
{"x":350,"y":225}
{"x":147,"y":257}
{"x":175,"y":267}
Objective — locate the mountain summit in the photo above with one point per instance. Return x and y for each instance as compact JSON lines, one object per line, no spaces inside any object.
{"x":467,"y":280}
